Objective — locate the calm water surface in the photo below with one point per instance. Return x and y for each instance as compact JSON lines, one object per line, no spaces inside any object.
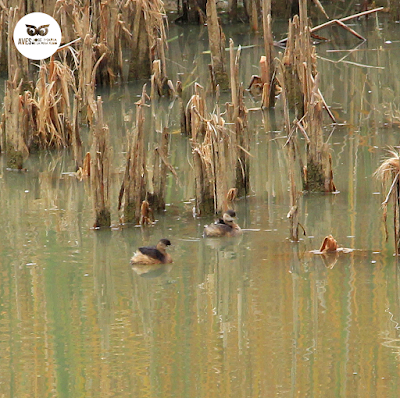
{"x":255,"y":317}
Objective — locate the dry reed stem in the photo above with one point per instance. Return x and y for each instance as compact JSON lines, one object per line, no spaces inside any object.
{"x":302,"y":83}
{"x":86,"y":165}
{"x":216,"y":39}
{"x":213,"y":163}
{"x":16,"y":61}
{"x":234,"y":78}
{"x":267,"y":65}
{"x":333,"y":21}
{"x":161,"y":167}
{"x":145,"y":19}
{"x":293,"y":214}
{"x":76,"y":138}
{"x":212,"y":171}
{"x":231,"y":196}
{"x":3,"y":37}
{"x":100,"y":169}
{"x":388,"y":171}
{"x":41,"y":119}
{"x":133,"y":189}
{"x":195,"y":113}
{"x":232,"y":7}
{"x":253,"y":10}
{"x":159,"y":82}
{"x":14,"y":140}
{"x":321,"y":8}
{"x":109,"y":44}
{"x":237,"y":114}
{"x":54,"y":86}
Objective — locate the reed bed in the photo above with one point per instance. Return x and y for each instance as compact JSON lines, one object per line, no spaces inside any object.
{"x":55,"y":86}
{"x":49,"y":114}
{"x":40,"y":117}
{"x":137,"y":25}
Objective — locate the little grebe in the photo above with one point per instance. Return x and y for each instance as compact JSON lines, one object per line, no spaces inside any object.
{"x":153,"y":254}
{"x":224,"y":226}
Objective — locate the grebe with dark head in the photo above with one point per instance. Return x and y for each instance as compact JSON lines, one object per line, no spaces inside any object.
{"x":153,"y":254}
{"x":224,"y":226}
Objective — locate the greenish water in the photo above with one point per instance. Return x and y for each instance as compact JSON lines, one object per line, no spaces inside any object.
{"x":255,"y":317}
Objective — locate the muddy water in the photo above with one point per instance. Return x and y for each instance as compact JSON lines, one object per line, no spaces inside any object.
{"x":254,"y":317}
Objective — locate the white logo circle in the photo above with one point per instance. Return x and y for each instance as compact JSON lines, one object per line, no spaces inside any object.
{"x":37,"y":36}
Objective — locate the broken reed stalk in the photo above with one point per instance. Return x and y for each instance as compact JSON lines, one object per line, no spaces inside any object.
{"x":293,"y":213}
{"x":319,"y":176}
{"x":216,"y":39}
{"x":213,"y":171}
{"x":195,"y":113}
{"x":55,"y":86}
{"x":220,"y":155}
{"x":133,"y":188}
{"x":233,"y":10}
{"x":86,"y":72}
{"x":389,"y":172}
{"x":341,"y":20}
{"x":100,"y":169}
{"x":109,"y":45}
{"x":15,"y":60}
{"x":159,"y":82}
{"x":253,"y":10}
{"x":237,"y":115}
{"x":214,"y":164}
{"x":182,"y":107}
{"x":291,"y":75}
{"x":14,"y":134}
{"x":75,"y":135}
{"x":159,"y":79}
{"x":144,"y":23}
{"x":302,"y":83}
{"x":266,"y":62}
{"x":157,"y":198}
{"x":3,"y":39}
{"x":39,"y":117}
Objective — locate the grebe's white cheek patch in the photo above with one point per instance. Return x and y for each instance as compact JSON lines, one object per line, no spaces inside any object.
{"x":37,"y":36}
